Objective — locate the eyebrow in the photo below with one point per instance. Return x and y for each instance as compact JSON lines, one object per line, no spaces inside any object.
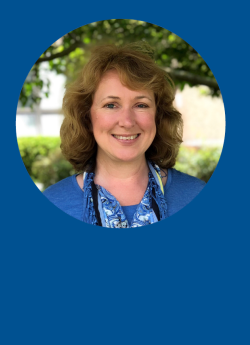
{"x":137,"y":97}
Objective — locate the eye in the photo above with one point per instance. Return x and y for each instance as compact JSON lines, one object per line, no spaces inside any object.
{"x":142,"y":106}
{"x":110,"y":106}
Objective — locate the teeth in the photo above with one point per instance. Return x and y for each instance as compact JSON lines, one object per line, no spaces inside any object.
{"x":126,"y":138}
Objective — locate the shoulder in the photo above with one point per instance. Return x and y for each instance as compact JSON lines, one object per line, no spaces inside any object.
{"x":178,"y":179}
{"x":181,"y":189}
{"x":62,"y":190}
{"x":67,"y":196}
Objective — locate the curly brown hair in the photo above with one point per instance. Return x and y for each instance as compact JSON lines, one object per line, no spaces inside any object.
{"x":137,"y":70}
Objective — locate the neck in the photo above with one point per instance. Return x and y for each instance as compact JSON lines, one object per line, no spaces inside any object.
{"x":120,"y":171}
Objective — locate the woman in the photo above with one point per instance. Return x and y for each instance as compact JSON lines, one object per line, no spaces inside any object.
{"x":122,"y":132}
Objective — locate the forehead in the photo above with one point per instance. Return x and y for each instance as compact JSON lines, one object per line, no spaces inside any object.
{"x":110,"y":82}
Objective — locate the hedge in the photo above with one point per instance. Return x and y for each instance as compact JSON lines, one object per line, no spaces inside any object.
{"x":35,"y":148}
{"x":200,"y":163}
{"x":45,"y":164}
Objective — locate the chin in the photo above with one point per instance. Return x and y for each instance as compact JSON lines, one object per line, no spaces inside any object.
{"x":127,"y":158}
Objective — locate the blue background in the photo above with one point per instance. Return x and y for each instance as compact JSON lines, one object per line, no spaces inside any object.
{"x":182,"y":281}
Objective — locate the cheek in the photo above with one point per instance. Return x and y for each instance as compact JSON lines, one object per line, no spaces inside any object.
{"x":101,"y":123}
{"x":148,"y":123}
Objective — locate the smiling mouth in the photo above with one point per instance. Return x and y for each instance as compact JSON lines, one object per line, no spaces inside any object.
{"x":129,"y":137}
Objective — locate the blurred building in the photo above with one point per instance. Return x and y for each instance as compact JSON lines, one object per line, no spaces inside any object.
{"x":203,"y":117}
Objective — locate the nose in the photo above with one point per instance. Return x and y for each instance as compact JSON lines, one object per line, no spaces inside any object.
{"x":127,"y":118}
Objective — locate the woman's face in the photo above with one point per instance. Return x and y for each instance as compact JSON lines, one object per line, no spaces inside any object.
{"x":123,"y":120}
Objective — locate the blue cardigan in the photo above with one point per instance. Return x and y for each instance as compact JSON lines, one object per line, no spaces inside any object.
{"x":179,"y":190}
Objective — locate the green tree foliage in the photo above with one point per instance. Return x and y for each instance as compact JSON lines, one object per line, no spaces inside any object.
{"x":69,"y":53}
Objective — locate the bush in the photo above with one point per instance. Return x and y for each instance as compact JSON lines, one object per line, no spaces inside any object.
{"x":52,"y":169}
{"x":198,"y":162}
{"x":34,"y":148}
